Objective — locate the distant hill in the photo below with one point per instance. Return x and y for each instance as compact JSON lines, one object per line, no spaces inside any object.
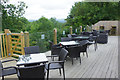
{"x":61,"y":20}
{"x":31,"y":20}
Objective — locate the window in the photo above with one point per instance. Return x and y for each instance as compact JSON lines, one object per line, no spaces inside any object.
{"x":102,"y":28}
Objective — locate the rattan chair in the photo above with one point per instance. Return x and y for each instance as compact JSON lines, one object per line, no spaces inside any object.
{"x":57,"y":64}
{"x":31,"y":73}
{"x":65,"y":39}
{"x":92,"y":40}
{"x":32,"y":49}
{"x":74,"y":52}
{"x":83,"y":46}
{"x":6,"y":71}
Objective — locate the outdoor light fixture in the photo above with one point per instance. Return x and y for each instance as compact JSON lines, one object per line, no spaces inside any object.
{"x":43,"y":36}
{"x":76,"y":30}
{"x":63,"y":32}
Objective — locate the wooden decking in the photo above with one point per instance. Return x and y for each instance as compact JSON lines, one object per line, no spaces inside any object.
{"x":102,"y":63}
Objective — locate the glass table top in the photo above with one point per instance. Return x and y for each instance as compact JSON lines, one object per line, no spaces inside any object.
{"x":32,"y":58}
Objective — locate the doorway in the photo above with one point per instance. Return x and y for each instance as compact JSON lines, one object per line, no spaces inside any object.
{"x":101,"y":28}
{"x":113,"y":30}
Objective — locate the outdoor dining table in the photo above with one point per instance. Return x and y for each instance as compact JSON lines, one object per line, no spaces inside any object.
{"x":32,"y":59}
{"x":69,"y":43}
{"x":80,"y":38}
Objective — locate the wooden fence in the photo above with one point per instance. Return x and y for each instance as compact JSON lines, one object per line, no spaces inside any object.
{"x":12,"y":44}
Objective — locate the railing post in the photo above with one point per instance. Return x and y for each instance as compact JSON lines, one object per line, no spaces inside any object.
{"x":80,"y":28}
{"x":87,"y":29}
{"x":71,"y":30}
{"x":55,"y":36}
{"x":7,"y":37}
{"x":1,"y":55}
{"x":4,"y":45}
{"x":26,"y":37}
{"x":22,"y":43}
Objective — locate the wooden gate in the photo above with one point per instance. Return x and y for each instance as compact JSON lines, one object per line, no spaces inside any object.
{"x":12,"y":44}
{"x":17,"y":44}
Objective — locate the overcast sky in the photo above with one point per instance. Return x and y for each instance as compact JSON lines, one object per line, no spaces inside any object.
{"x":58,"y":9}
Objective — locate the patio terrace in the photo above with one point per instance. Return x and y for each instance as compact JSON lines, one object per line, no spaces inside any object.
{"x":102,"y":63}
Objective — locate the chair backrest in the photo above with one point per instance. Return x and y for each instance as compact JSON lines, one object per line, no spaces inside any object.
{"x":95,"y":33}
{"x":63,"y":54}
{"x":74,"y":35}
{"x":91,"y":37}
{"x":50,"y":43}
{"x":56,"y":49}
{"x":83,"y":42}
{"x":65,"y":39}
{"x":32,"y":49}
{"x":107,"y":31}
{"x":31,"y":72}
{"x":86,"y":33}
{"x":83,"y":45}
{"x":69,"y":35}
{"x":1,"y":66}
{"x":73,"y":51}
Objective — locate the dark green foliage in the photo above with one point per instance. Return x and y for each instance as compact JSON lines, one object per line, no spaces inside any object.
{"x":44,"y":26}
{"x":88,"y":13}
{"x":12,"y":16}
{"x":81,"y":14}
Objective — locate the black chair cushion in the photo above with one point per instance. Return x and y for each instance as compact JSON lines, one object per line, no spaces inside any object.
{"x":65,"y":39}
{"x":95,"y":33}
{"x":31,"y":49}
{"x":69,"y":35}
{"x":102,"y":38}
{"x":54,"y":66}
{"x":56,"y":49}
{"x":8,"y":72}
{"x":31,"y":72}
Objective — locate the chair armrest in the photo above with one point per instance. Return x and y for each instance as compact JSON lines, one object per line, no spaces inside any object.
{"x":56,"y":62}
{"x":53,"y":56}
{"x":9,"y":60}
{"x":10,"y":67}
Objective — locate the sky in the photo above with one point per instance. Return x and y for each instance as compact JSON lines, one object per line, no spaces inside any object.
{"x":58,"y":9}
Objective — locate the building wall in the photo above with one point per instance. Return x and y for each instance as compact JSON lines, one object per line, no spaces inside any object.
{"x":107,"y":25}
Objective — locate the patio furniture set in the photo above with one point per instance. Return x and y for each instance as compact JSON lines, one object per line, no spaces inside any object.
{"x":35,"y":64}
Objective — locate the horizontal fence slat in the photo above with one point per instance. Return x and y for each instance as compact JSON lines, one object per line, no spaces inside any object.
{"x":16,"y":47}
{"x":15,"y":34}
{"x":15,"y":55}
{"x":14,"y":38}
{"x":12,"y":44}
{"x":17,"y":51}
{"x":2,"y":33}
{"x":16,"y":43}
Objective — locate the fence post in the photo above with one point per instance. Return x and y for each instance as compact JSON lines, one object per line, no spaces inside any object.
{"x":22,"y":43}
{"x":7,"y":37}
{"x":1,"y":55}
{"x":80,"y":28}
{"x":71,"y":30}
{"x":26,"y":37}
{"x":55,"y":36}
{"x":4,"y":45}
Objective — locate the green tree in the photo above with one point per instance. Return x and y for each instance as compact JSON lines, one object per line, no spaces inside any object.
{"x":12,"y":16}
{"x":88,"y":13}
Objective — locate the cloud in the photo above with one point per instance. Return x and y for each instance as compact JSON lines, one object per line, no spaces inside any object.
{"x":47,"y":8}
